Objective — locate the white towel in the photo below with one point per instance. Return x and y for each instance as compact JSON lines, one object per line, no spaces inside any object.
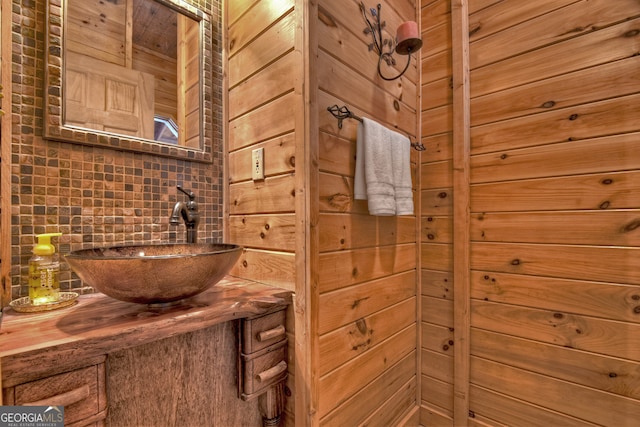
{"x":401,"y":164}
{"x":375,"y":165}
{"x":383,"y":170}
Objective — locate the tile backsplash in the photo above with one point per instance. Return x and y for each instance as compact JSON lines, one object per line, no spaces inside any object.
{"x":95,"y":196}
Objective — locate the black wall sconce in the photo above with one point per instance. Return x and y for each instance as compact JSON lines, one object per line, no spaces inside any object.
{"x":406,"y":42}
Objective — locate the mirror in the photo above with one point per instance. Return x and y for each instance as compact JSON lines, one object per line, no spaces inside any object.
{"x":129,"y":75}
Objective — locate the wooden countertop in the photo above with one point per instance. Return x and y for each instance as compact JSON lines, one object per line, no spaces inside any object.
{"x":36,"y":344}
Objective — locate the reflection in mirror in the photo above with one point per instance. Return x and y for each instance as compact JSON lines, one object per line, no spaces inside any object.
{"x":132,"y":76}
{"x":130,"y":67}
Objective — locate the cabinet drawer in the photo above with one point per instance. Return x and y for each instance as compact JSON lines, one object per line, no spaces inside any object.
{"x":82,"y":392}
{"x":263,"y":369}
{"x":260,"y":332}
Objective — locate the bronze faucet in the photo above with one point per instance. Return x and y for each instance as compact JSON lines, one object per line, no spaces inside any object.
{"x":189,"y":212}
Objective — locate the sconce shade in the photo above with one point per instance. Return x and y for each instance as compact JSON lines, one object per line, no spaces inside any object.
{"x":408,"y":38}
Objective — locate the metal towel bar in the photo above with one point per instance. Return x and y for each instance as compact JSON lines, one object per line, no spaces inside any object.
{"x":343,"y":112}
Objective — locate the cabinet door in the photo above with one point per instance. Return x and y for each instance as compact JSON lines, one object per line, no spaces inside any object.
{"x":82,"y":393}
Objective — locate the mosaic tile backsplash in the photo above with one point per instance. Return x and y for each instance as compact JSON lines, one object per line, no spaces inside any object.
{"x":94,"y":196}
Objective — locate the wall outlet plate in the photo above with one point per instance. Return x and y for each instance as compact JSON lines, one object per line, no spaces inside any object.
{"x":257,"y":164}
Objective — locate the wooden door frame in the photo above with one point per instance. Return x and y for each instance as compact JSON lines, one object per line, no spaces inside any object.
{"x":461,"y":208}
{"x":307,"y":293}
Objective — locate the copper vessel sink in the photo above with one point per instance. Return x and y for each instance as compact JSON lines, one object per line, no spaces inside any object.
{"x":154,"y":274}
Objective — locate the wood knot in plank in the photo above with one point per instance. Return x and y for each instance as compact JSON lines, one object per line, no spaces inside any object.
{"x":633,"y":225}
{"x":361,"y":324}
{"x":357,"y":302}
{"x":632,"y":33}
{"x":340,"y":200}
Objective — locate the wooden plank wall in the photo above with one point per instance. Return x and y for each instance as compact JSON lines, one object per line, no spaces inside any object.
{"x":260,"y":112}
{"x":189,"y":81}
{"x":436,"y":236}
{"x":362,"y":313}
{"x":554,"y":238}
{"x":97,"y":29}
{"x":261,"y":68}
{"x":367,"y":264}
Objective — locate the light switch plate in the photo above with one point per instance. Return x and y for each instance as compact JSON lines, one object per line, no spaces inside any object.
{"x":257,"y":164}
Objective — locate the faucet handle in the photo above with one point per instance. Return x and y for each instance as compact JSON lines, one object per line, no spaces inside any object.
{"x":191,"y":194}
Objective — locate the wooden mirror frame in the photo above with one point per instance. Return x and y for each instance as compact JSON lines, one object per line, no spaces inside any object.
{"x":54,"y":127}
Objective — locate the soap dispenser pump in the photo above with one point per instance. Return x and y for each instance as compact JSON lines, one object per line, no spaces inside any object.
{"x":44,"y":267}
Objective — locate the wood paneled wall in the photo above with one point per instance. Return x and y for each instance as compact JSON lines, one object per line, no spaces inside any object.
{"x":261,"y":102}
{"x":262,"y":69}
{"x":367,"y":265}
{"x":355,"y":275}
{"x":553,"y":238}
{"x":436,"y":235}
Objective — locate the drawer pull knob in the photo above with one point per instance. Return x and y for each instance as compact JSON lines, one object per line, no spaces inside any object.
{"x":270,"y":334}
{"x":63,"y":399}
{"x":272,"y":372}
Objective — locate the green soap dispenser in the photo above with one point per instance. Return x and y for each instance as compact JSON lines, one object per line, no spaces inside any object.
{"x":44,"y":266}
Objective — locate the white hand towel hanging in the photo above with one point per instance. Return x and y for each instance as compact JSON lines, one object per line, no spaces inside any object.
{"x":383,"y":170}
{"x":401,"y":165}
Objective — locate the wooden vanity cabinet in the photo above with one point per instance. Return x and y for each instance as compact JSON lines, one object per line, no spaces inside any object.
{"x":81,"y":391}
{"x":185,"y":353}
